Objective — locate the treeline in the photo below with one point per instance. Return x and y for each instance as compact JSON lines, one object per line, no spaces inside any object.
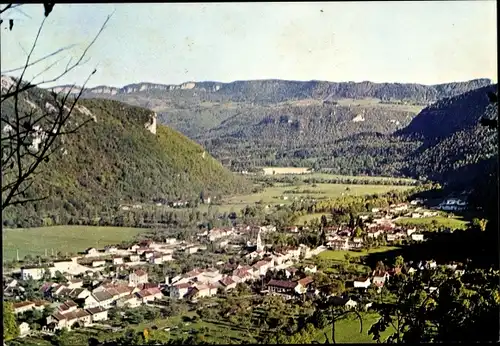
{"x":337,"y":180}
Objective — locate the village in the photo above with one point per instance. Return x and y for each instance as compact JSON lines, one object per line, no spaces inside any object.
{"x":91,"y":283}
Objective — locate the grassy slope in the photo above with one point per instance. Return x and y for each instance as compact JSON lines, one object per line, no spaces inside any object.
{"x":34,"y":241}
{"x":348,"y":330}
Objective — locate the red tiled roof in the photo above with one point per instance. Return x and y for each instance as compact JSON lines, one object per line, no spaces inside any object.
{"x":113,"y":291}
{"x":22,"y":304}
{"x":183,"y":285}
{"x":147,"y":285}
{"x":96,"y":310}
{"x":154,"y":290}
{"x":305,"y":281}
{"x":58,"y":316}
{"x":122,"y":289}
{"x":128,"y":297}
{"x":260,"y":264}
{"x":282,"y":283}
{"x":140,"y":272}
{"x":81,"y":313}
{"x":226,"y":281}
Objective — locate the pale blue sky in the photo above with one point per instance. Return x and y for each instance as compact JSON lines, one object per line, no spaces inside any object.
{"x":420,"y":42}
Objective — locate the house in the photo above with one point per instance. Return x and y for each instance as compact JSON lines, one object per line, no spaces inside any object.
{"x":310,"y":269}
{"x":303,"y":285}
{"x":227,"y":283}
{"x":242,"y":275}
{"x":160,"y":258}
{"x":117,"y":260}
{"x":22,"y":307}
{"x":98,"y":314}
{"x":343,"y":301}
{"x":178,"y":291}
{"x":379,"y":278}
{"x":102,"y":298}
{"x":40,"y":304}
{"x":374,"y":233}
{"x":431,"y":264}
{"x":453,"y":204}
{"x":67,"y":306}
{"x":74,"y":283}
{"x":135,"y":258}
{"x":362,"y":283}
{"x":59,"y":320}
{"x":98,"y":263}
{"x":137,"y":277}
{"x":211,"y":275}
{"x":110,"y":249}
{"x":200,"y":291}
{"x":391,"y":237}
{"x":191,"y":249}
{"x":24,"y":329}
{"x":130,"y":300}
{"x":340,"y":244}
{"x":12,"y":283}
{"x":417,"y":237}
{"x":91,"y":252}
{"x":170,"y":241}
{"x":291,"y":271}
{"x":35,"y":273}
{"x":75,"y":293}
{"x":133,"y":248}
{"x":410,"y":231}
{"x":149,"y":295}
{"x":282,"y":288}
{"x":261,"y":268}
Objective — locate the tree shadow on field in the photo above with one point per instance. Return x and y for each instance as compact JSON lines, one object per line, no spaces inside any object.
{"x":476,"y":246}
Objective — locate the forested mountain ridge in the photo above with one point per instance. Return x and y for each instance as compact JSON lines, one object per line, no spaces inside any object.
{"x":455,"y":147}
{"x":349,"y":128}
{"x":274,"y":90}
{"x":450,"y":115}
{"x":122,"y":156}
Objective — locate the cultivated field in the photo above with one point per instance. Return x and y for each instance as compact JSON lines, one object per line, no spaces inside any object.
{"x":285,"y":194}
{"x":339,"y":255}
{"x":71,"y":239}
{"x":439,"y":221}
{"x":326,"y":176}
{"x":285,"y":170}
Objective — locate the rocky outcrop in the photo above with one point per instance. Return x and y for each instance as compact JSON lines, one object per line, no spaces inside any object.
{"x":151,"y":124}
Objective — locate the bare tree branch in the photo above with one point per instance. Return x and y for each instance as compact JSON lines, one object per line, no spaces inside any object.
{"x":31,"y":136}
{"x":39,"y":60}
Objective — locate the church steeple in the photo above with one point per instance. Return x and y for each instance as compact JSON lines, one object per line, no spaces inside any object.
{"x":259,"y":243}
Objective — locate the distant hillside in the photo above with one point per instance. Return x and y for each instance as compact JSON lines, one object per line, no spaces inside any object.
{"x":273,"y":91}
{"x":450,"y":115}
{"x":284,"y":123}
{"x":117,"y":158}
{"x":455,"y":146}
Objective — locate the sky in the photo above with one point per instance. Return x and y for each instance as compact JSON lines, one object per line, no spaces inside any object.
{"x":407,"y":42}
